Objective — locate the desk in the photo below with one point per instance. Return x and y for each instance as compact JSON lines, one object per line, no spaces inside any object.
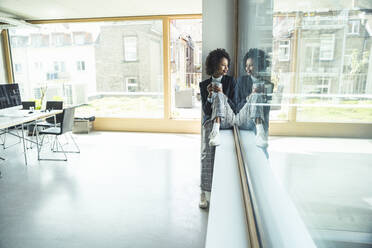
{"x":8,"y":121}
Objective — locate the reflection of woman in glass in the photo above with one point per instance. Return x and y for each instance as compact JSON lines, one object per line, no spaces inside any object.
{"x":251,"y":89}
{"x":217,"y":94}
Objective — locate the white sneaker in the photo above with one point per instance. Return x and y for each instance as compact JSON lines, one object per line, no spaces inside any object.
{"x":214,"y":140}
{"x":214,"y":136}
{"x":261,"y":137}
{"x":204,"y":203}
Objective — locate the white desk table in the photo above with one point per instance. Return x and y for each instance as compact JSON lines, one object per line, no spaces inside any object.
{"x":10,"y":121}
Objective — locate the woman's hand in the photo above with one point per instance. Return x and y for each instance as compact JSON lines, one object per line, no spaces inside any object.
{"x":210,"y":89}
{"x":213,"y":88}
{"x":217,"y":89}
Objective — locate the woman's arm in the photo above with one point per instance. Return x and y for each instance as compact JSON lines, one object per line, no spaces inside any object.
{"x":206,"y":105}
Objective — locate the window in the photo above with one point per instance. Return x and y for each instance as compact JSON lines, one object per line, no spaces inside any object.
{"x":131,"y":84}
{"x":79,"y":39}
{"x":324,"y":85}
{"x":18,"y":68}
{"x":62,"y":39}
{"x":38,"y":65}
{"x":59,"y":40}
{"x":51,"y":75}
{"x":19,"y":41}
{"x":311,"y":57}
{"x":36,"y":40}
{"x":130,"y":48}
{"x":94,"y":73}
{"x":353,"y":27}
{"x":327,"y":45}
{"x":59,"y":66}
{"x":80,"y":65}
{"x":284,"y":50}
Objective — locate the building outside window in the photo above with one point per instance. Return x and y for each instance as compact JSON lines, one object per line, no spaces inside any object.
{"x":102,"y":83}
{"x":130,"y":48}
{"x":186,"y":67}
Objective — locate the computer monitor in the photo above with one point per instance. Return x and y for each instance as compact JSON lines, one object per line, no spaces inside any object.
{"x":10,"y":96}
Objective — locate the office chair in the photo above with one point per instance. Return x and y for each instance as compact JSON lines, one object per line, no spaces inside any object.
{"x":51,"y":121}
{"x":65,"y":127}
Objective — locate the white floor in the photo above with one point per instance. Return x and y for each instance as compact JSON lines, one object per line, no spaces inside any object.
{"x":123,"y":190}
{"x":142,"y":190}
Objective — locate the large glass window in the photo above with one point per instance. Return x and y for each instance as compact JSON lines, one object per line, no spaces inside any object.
{"x":186,"y":67}
{"x":328,"y":76}
{"x":115,"y":68}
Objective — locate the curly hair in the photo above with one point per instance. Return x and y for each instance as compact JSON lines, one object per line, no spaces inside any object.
{"x":259,"y":57}
{"x":213,"y":60}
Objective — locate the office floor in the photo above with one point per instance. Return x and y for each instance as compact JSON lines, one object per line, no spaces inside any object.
{"x":123,"y":190}
{"x":142,"y":190}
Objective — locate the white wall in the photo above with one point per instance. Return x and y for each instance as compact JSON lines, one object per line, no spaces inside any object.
{"x":218,"y":28}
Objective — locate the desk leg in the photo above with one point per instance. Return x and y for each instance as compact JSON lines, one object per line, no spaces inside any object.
{"x":24,"y":144}
{"x":37,"y":141}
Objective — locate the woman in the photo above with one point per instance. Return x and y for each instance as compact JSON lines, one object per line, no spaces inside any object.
{"x":217,"y":94}
{"x":253,"y":89}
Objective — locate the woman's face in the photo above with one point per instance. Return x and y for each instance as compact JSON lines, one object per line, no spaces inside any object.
{"x":249,"y":67}
{"x":222,"y":68}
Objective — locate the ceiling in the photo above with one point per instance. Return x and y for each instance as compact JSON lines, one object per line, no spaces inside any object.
{"x":68,"y":9}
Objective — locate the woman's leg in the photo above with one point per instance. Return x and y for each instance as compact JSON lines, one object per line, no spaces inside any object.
{"x":222,"y":116}
{"x":207,"y":162}
{"x":253,"y":112}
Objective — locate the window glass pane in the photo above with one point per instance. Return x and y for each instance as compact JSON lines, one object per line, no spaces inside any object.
{"x":88,"y":63}
{"x":186,"y":67}
{"x":130,"y":48}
